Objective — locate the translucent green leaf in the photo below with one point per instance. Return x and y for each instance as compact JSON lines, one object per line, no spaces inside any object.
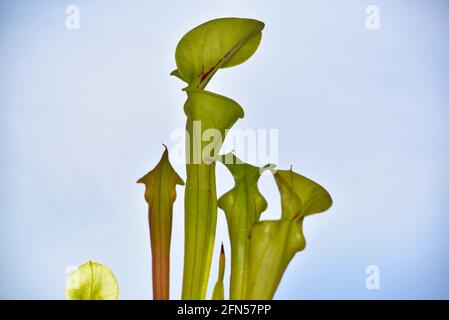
{"x":92,"y":281}
{"x":218,"y":293}
{"x":205,"y":111}
{"x":160,"y":194}
{"x":242,"y":205}
{"x":218,"y":43}
{"x":176,"y":73}
{"x":274,"y":243}
{"x":211,"y":111}
{"x":300,"y":196}
{"x":272,"y":246}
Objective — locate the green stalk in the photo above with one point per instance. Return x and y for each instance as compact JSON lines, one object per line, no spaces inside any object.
{"x":205,"y":111}
{"x":200,"y":223}
{"x":219,"y":43}
{"x":243,"y":205}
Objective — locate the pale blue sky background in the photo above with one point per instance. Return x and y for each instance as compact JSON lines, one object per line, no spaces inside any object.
{"x":365,"y":113}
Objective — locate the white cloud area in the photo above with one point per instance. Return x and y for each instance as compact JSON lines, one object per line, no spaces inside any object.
{"x":364,"y":112}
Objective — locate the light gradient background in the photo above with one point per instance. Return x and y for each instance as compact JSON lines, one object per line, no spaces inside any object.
{"x":365,"y":113}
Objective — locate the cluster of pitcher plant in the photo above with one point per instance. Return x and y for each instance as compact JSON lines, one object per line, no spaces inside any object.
{"x":260,"y":249}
